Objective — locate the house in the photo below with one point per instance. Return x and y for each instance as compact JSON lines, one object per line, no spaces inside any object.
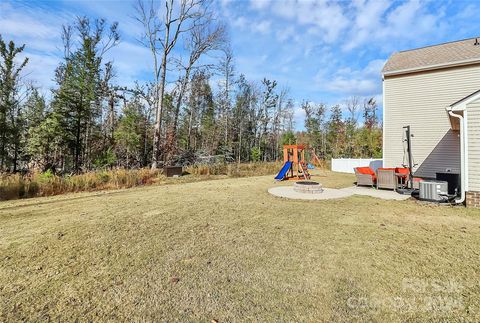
{"x":435,"y":90}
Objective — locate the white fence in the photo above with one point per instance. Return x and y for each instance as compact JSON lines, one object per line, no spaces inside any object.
{"x":346,"y":165}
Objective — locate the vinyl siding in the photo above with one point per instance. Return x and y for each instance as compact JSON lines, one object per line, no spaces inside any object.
{"x":473,"y":126}
{"x":419,"y":100}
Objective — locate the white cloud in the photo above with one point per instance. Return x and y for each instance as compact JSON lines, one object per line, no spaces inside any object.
{"x":40,"y":69}
{"x":327,"y":19}
{"x":368,"y":20}
{"x":354,"y":86}
{"x":20,"y":26}
{"x":388,"y":24}
{"x":352,"y":25}
{"x":37,"y":28}
{"x":240,"y":22}
{"x":299,"y":117}
{"x":225,"y":3}
{"x":262,"y":27}
{"x":363,"y":82}
{"x":288,"y":33}
{"x":259,"y":4}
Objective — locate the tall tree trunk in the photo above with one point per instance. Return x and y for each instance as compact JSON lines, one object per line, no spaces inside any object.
{"x":86,"y":150}
{"x":111,"y":105}
{"x":180,"y":98}
{"x":158,"y":119}
{"x":3,"y":139}
{"x":145,"y":142}
{"x":190,"y":121}
{"x":15,"y":158}
{"x":227,"y":105}
{"x":2,"y":151}
{"x":77,"y":147}
{"x":173,"y":138}
{"x":240,"y":145}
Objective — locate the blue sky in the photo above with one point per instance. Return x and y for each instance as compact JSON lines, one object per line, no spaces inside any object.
{"x":323,"y":51}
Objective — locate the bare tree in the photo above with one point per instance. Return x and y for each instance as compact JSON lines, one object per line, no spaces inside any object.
{"x":226,"y":69}
{"x":146,"y":94}
{"x":289,"y":116}
{"x":202,"y":39}
{"x":179,"y":17}
{"x":278,"y":122}
{"x":352,"y":105}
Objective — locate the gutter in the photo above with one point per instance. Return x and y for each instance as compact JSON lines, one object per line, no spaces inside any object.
{"x":462,"y":154}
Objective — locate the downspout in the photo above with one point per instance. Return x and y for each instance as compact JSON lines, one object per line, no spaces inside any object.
{"x":462,"y":155}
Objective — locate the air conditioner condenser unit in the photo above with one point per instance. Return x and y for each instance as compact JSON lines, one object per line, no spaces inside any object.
{"x":435,"y":191}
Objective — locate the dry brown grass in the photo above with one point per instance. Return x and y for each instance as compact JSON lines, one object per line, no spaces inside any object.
{"x":17,"y":186}
{"x":47,"y":184}
{"x":226,"y":250}
{"x":236,"y":170}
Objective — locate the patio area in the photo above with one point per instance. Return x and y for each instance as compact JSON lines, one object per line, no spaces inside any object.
{"x":332,"y":193}
{"x":378,"y":193}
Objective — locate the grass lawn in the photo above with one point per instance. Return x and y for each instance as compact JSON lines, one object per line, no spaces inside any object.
{"x":226,"y":250}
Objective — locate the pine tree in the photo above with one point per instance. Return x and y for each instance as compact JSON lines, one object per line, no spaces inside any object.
{"x":33,"y":114}
{"x":242,"y":125}
{"x":44,"y":144}
{"x":335,"y":132}
{"x":370,"y":137}
{"x":314,"y":122}
{"x":128,"y":135}
{"x":78,"y":98}
{"x":264,"y":116}
{"x":10,"y":108}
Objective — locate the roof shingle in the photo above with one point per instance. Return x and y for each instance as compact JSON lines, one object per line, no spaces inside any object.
{"x":437,"y":55}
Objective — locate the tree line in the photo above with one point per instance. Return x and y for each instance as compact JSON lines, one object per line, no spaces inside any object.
{"x":209,"y":113}
{"x":337,"y":132}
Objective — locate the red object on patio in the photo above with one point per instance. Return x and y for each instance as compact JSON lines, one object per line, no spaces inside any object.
{"x":402,"y":170}
{"x":367,"y":171}
{"x":416,"y":182}
{"x":386,"y":178}
{"x":365,"y":176}
{"x":399,"y":170}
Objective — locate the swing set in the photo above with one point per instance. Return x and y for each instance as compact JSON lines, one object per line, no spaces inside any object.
{"x":294,"y":165}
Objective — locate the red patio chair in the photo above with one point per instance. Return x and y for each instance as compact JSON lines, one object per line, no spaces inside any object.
{"x":365,"y":176}
{"x":402,"y":180}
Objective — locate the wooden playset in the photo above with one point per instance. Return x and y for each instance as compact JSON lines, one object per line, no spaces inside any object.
{"x":294,"y":166}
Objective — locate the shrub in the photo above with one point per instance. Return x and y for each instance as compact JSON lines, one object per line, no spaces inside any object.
{"x":256,"y":154}
{"x":46,"y":176}
{"x":107,"y":159}
{"x":103,"y":177}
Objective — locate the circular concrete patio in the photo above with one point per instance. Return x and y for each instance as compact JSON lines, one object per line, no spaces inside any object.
{"x":327,"y":194}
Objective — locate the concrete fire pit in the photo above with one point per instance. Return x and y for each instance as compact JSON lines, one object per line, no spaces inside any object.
{"x":309,"y":187}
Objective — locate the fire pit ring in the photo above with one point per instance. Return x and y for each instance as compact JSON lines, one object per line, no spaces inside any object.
{"x":309,"y":187}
